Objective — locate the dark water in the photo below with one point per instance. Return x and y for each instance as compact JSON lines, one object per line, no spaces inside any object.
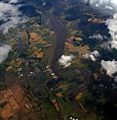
{"x":60,"y":32}
{"x":28,"y":10}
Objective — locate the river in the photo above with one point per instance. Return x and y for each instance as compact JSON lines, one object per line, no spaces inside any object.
{"x":61,"y":34}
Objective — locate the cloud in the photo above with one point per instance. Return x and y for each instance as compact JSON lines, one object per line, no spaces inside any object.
{"x":115,"y":79}
{"x":4,"y":51}
{"x":109,"y":66}
{"x":104,"y":6}
{"x":93,"y":55}
{"x":13,"y":1}
{"x":66,"y":60}
{"x":106,"y":45}
{"x":112,"y":26}
{"x":108,"y":7}
{"x":10,"y":15}
{"x":97,"y":37}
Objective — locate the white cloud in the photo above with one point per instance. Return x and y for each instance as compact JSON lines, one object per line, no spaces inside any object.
{"x":101,"y":2}
{"x":106,"y":45}
{"x":4,"y":51}
{"x":108,"y":7}
{"x":114,"y":44}
{"x":13,"y":1}
{"x":115,"y":79}
{"x":114,"y":1}
{"x":97,"y":37}
{"x":93,"y":55}
{"x":66,"y":60}
{"x":10,"y":15}
{"x":105,"y":6}
{"x":112,"y":26}
{"x":109,"y":66}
